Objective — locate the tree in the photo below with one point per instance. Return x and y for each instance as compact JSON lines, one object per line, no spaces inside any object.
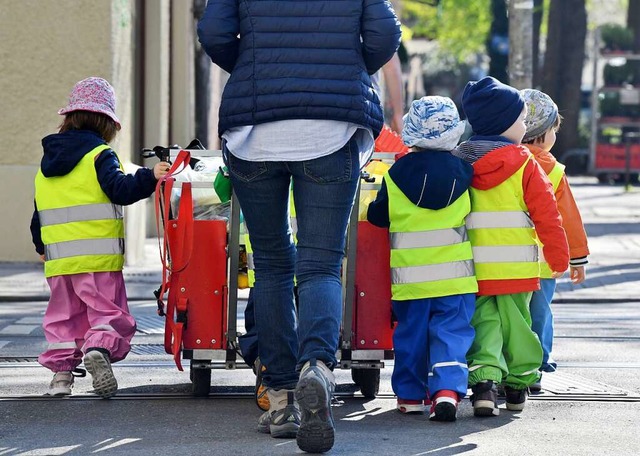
{"x":563,"y":63}
{"x":498,"y":41}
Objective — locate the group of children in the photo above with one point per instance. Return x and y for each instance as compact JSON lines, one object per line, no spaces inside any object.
{"x":479,"y":231}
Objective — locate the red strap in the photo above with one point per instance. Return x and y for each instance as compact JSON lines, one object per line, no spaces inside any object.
{"x":174,"y":257}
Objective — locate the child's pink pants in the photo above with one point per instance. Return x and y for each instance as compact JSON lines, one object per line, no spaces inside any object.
{"x":87,"y":310}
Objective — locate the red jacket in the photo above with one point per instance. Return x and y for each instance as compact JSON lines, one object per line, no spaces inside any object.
{"x":493,"y":169}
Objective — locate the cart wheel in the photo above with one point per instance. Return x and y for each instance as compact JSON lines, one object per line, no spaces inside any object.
{"x":604,"y":178}
{"x":368,"y":381}
{"x":356,"y":376}
{"x":201,"y":379}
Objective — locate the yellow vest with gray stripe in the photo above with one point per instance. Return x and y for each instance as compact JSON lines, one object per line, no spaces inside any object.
{"x":502,"y":233}
{"x":82,"y":230}
{"x":555,"y":176}
{"x":430,"y":251}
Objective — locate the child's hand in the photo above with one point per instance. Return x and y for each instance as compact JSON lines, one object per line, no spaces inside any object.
{"x":556,"y":275}
{"x":161,"y":169}
{"x":42,"y":258}
{"x":578,"y":274}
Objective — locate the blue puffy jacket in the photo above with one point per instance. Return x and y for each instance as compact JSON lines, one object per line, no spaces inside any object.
{"x":299,"y":59}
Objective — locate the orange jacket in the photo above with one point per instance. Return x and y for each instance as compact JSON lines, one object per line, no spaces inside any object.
{"x":493,"y":169}
{"x":571,"y":219}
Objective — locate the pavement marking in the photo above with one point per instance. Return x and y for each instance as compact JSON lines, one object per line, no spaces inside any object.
{"x":18,"y":330}
{"x":54,"y":451}
{"x":2,"y":344}
{"x":116,"y":444}
{"x":29,"y":321}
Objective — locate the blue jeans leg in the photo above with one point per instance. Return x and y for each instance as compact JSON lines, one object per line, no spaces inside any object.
{"x":542,"y":321}
{"x":262,"y":189}
{"x":323,"y":193}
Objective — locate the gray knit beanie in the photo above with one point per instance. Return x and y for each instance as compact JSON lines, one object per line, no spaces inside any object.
{"x":542,"y":113}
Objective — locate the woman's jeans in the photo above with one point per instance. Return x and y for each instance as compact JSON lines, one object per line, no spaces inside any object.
{"x":323,"y":192}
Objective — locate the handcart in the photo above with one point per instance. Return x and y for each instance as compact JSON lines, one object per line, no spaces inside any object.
{"x":200,"y":263}
{"x":367,"y":329}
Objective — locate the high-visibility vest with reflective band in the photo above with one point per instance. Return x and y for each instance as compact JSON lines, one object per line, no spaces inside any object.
{"x":82,"y":230}
{"x":430,"y":250}
{"x":555,"y":176}
{"x":502,"y":233}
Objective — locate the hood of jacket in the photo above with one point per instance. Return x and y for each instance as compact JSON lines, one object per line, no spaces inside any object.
{"x":63,"y":151}
{"x":543,"y":157}
{"x":431,"y":179}
{"x":498,"y":165}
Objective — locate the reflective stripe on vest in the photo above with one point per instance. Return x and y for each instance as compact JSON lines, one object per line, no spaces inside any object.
{"x":430,"y":250}
{"x":500,"y":219}
{"x":101,"y":211}
{"x":82,"y":230}
{"x":502,"y":233}
{"x":432,"y":238}
{"x":84,"y":247}
{"x":555,"y":176}
{"x":432,"y":272}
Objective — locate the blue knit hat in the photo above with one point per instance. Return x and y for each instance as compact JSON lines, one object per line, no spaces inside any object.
{"x":491,"y":107}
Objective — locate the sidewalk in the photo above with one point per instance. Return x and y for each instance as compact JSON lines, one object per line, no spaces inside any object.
{"x":611,"y":217}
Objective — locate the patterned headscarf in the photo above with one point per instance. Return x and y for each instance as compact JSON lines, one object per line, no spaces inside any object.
{"x":542,"y":113}
{"x":432,"y":123}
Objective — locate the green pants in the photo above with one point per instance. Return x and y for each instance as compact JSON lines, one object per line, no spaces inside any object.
{"x":505,"y":349}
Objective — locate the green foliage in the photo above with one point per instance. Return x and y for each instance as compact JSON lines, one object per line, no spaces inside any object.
{"x":459,"y":26}
{"x":616,"y":37}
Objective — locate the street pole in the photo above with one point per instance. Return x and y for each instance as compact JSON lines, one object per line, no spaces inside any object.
{"x":521,"y":43}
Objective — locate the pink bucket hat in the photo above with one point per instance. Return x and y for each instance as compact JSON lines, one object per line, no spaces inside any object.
{"x":95,"y":95}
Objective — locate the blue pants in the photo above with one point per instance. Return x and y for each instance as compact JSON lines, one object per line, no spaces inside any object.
{"x":324,"y":190}
{"x":542,"y":321}
{"x":430,"y":344}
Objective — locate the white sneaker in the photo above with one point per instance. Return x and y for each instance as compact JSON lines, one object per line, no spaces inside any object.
{"x":61,"y":384}
{"x":99,"y":366}
{"x":282,"y":420}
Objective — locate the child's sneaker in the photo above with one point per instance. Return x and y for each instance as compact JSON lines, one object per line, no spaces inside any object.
{"x":261,"y":396}
{"x":537,"y":386}
{"x":99,"y":366}
{"x":516,"y":398}
{"x":61,"y":384}
{"x":313,"y":393}
{"x":411,"y":406}
{"x":485,"y":399}
{"x":283,"y":420}
{"x":444,"y":406}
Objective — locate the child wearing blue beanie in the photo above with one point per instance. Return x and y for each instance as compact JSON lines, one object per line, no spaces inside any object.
{"x":512,"y":206}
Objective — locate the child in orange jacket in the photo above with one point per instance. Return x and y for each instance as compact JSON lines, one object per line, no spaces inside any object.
{"x":542,"y":122}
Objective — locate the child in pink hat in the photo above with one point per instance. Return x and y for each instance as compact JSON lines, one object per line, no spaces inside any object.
{"x":78,"y":229}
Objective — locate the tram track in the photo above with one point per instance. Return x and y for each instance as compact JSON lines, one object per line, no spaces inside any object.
{"x":249,"y":395}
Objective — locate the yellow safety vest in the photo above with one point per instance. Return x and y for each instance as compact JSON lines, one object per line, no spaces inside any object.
{"x":430,"y":251}
{"x":82,"y":230}
{"x":502,"y":233}
{"x":555,"y":176}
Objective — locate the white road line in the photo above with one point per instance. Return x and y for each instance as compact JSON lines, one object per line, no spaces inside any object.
{"x":18,"y":330}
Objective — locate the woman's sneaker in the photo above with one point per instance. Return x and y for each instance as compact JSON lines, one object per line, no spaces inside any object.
{"x":516,"y":398}
{"x":444,"y":406}
{"x":411,"y":406}
{"x":261,"y":396}
{"x":485,"y":399}
{"x":61,"y":384}
{"x":313,"y":393}
{"x":283,"y":421}
{"x":99,"y":366}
